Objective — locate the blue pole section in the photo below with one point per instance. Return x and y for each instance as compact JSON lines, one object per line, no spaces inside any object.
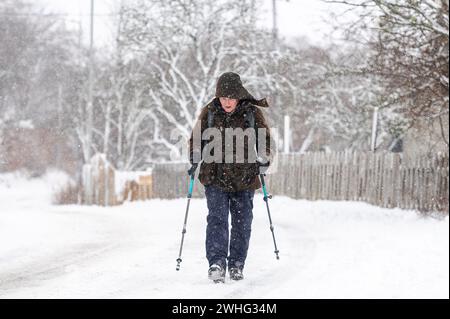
{"x":191,"y":187}
{"x":264,"y":191}
{"x":266,"y":199}
{"x":191,"y":173}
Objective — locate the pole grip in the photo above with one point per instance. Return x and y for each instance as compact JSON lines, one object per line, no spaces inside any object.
{"x":191,"y":171}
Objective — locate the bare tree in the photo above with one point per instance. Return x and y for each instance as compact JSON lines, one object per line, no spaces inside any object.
{"x":186,"y":45}
{"x":35,"y":73}
{"x":410,"y":43}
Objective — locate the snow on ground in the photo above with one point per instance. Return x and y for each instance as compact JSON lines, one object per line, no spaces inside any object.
{"x":327,"y":249}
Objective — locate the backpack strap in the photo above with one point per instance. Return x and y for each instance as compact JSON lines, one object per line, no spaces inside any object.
{"x":210,"y":117}
{"x":250,"y":121}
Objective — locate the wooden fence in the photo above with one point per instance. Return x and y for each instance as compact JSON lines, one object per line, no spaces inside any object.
{"x":382,"y":179}
{"x":100,"y":184}
{"x":171,"y":181}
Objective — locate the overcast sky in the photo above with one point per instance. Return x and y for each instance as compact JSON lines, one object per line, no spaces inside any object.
{"x":296,"y":18}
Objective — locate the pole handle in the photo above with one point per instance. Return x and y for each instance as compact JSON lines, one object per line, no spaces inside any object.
{"x":191,"y":171}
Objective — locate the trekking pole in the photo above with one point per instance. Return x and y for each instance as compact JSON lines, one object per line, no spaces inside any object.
{"x":191,"y":173}
{"x":266,"y":199}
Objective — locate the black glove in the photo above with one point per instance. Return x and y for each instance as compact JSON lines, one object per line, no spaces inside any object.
{"x":262,"y":166}
{"x":191,"y":171}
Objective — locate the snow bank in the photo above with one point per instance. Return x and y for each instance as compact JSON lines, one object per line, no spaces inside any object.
{"x":19,"y":189}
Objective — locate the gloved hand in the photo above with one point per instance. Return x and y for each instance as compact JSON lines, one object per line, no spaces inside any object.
{"x":263,"y":165}
{"x":191,"y":171}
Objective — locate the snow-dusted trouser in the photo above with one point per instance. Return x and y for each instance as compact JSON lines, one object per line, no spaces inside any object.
{"x":240,"y":205}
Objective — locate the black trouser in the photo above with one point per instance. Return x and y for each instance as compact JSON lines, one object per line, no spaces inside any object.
{"x":240,"y":204}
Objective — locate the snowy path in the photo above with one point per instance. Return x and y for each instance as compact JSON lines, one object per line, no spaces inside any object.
{"x":328,"y":250}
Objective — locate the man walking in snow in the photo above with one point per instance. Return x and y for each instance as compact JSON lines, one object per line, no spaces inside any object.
{"x":230,"y":171}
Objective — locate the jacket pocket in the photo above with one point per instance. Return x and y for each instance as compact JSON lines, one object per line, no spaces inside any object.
{"x":207,"y":173}
{"x":246,"y":173}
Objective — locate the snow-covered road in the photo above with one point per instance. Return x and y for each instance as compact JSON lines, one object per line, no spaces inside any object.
{"x":327,"y":250}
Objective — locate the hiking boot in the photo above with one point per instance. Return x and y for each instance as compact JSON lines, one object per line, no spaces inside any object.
{"x":216,"y":273}
{"x":236,"y":274}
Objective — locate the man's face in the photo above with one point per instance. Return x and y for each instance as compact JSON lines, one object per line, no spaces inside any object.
{"x":229,"y":105}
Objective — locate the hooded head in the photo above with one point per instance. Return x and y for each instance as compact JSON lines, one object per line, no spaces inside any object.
{"x":230,"y":85}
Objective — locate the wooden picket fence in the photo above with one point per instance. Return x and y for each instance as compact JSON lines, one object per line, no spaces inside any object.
{"x":98,"y":182}
{"x":382,"y":179}
{"x":171,"y":181}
